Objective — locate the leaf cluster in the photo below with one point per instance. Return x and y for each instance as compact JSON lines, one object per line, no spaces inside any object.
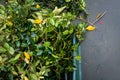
{"x":43,"y":33}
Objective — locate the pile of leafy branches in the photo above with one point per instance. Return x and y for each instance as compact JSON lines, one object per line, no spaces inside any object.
{"x":73,"y":6}
{"x":36,"y":38}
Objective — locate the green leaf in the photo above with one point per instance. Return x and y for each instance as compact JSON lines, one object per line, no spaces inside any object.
{"x":33,"y":29}
{"x":6,"y":46}
{"x":51,"y":48}
{"x":66,"y":32}
{"x":75,"y":46}
{"x":67,"y":0}
{"x":17,"y":56}
{"x":71,"y":31}
{"x":78,"y":57}
{"x":1,"y":38}
{"x":0,"y":59}
{"x":40,"y":52}
{"x":47,"y":63}
{"x":55,"y":56}
{"x":2,"y":12}
{"x":33,"y":77}
{"x":52,"y":21}
{"x":46,"y":44}
{"x":13,"y":60}
{"x":11,"y":50}
{"x":50,"y":29}
{"x":18,"y":43}
{"x":24,"y":45}
{"x":37,"y":63}
{"x":2,"y":50}
{"x":47,"y":72}
{"x":2,"y":7}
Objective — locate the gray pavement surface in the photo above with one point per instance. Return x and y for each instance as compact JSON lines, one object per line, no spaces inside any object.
{"x":101,"y":48}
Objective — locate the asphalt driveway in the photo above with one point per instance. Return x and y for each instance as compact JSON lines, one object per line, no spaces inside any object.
{"x":101,"y":48}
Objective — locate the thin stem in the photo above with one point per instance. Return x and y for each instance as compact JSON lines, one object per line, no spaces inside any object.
{"x":96,"y":20}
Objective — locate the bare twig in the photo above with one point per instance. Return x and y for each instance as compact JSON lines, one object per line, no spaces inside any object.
{"x":96,"y":20}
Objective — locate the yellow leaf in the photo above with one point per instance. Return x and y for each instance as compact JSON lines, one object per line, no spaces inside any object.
{"x":27,"y":55}
{"x":37,"y":6}
{"x":9,"y":23}
{"x":25,"y":78}
{"x":26,"y":60}
{"x":9,"y":17}
{"x":38,"y":21}
{"x":90,"y":28}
